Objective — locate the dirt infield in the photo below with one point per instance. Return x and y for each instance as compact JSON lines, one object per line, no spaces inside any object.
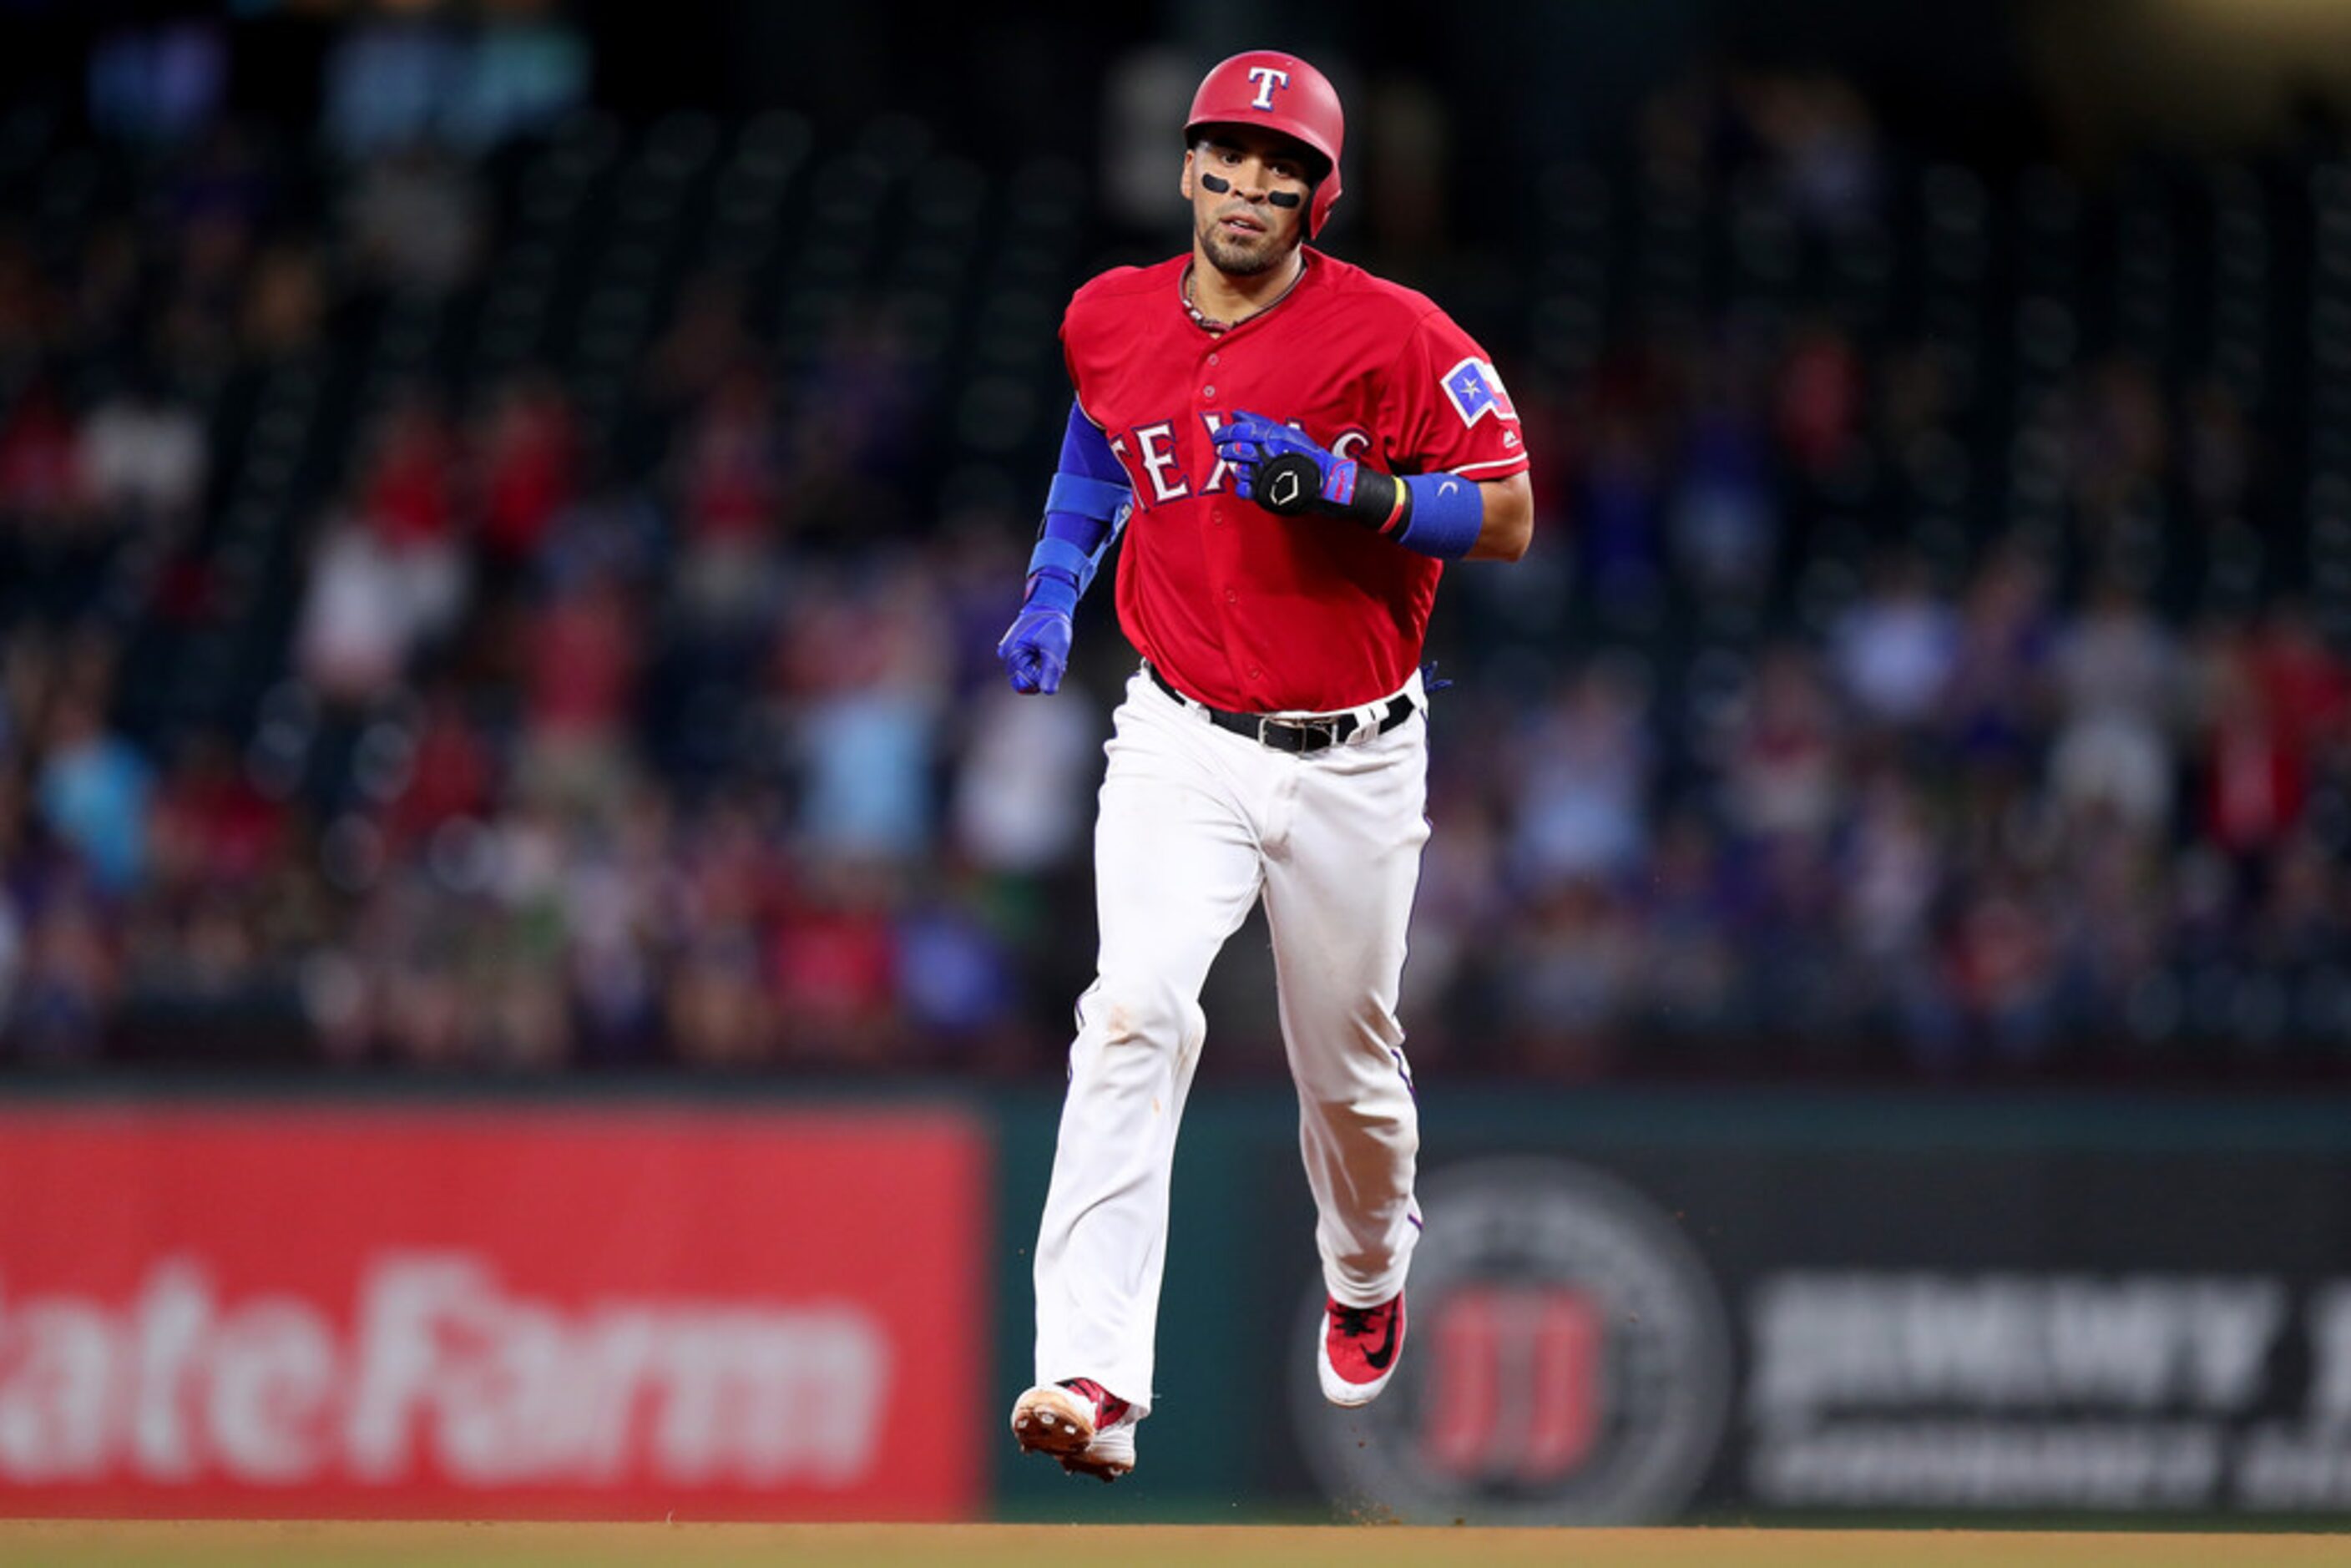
{"x":88,"y":1544}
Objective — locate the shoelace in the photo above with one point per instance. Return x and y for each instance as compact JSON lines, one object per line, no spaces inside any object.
{"x":1355,"y":1321}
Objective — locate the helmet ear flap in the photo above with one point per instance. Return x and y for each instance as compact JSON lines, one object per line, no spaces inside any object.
{"x":1326,"y":196}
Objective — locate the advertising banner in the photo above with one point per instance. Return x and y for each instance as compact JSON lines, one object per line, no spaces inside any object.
{"x":493,"y":1313}
{"x":1926,"y":1311}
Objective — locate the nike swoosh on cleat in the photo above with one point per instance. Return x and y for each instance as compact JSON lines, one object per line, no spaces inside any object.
{"x":1378,"y":1359}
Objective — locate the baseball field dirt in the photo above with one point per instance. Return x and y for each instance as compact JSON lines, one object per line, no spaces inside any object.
{"x":154,"y":1544}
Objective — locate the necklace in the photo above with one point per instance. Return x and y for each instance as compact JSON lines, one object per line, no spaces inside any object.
{"x":1208,"y":323}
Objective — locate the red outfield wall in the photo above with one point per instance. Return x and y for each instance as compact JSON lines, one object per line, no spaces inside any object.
{"x":493,"y":1313}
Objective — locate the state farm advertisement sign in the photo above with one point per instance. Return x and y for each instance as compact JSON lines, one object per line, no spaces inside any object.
{"x":491,"y":1312}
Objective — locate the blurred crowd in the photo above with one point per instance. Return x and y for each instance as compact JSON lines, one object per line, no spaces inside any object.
{"x":1973,"y":827}
{"x":681,"y":742}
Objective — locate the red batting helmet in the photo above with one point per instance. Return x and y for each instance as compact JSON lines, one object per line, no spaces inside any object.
{"x":1279,"y":92}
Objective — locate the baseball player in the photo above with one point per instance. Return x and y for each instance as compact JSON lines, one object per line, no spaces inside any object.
{"x":1291,"y":449}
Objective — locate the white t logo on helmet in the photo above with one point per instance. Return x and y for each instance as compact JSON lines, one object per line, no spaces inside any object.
{"x":1266,"y":78}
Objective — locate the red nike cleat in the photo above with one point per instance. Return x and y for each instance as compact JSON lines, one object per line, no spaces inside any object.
{"x":1359,"y":1346}
{"x":1078,"y":1421}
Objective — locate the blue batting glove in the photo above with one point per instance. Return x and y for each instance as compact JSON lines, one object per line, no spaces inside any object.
{"x":1249,"y":442}
{"x":1036,"y":650}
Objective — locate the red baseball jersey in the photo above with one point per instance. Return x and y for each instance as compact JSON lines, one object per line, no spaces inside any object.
{"x":1238,"y":608}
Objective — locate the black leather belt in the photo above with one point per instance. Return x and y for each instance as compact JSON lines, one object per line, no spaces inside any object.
{"x":1299,"y":736}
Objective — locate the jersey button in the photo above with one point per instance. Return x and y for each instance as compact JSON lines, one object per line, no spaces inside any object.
{"x":1208,"y":392}
{"x":1212,"y":359}
{"x":1256,"y":673}
{"x":1232,"y":596}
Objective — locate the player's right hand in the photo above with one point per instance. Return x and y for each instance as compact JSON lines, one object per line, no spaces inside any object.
{"x":1249,"y":443}
{"x":1036,"y":651}
{"x":1280,"y":468}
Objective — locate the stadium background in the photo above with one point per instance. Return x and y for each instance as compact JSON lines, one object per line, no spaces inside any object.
{"x":504,"y":512}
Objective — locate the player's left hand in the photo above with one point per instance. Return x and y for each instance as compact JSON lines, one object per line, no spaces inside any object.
{"x":1279,"y":468}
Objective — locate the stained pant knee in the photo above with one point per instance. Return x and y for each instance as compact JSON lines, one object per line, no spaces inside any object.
{"x":1142,"y":1012}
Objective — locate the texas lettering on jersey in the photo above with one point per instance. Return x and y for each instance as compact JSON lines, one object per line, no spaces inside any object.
{"x":1150,"y":453}
{"x":1236,"y":607}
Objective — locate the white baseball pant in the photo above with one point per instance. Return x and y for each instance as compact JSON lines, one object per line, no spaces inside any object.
{"x":1196,"y":823}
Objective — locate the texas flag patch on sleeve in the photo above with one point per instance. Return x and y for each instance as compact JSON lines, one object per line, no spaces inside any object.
{"x":1476,"y":391}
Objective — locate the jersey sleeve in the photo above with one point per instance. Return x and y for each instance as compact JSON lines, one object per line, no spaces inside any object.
{"x":1088,"y":337}
{"x":1449,"y":408}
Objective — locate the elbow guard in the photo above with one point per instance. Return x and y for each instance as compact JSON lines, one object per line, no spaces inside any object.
{"x":1086,"y":507}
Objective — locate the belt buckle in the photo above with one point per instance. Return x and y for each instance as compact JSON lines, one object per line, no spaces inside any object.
{"x":1328,"y":728}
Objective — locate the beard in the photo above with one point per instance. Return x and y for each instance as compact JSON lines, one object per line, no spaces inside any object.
{"x":1235,"y":259}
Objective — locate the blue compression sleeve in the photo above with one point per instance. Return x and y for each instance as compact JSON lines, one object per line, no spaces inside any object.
{"x":1086,"y":507}
{"x":1085,"y":451}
